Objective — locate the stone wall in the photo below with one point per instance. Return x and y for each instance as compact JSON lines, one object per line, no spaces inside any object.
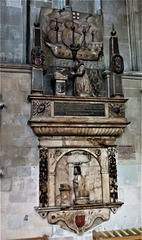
{"x":134,"y":12}
{"x":13,"y":31}
{"x":114,"y":12}
{"x":19,"y":163}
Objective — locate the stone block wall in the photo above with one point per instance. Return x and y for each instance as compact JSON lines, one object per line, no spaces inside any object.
{"x":13,"y":31}
{"x":139,"y":32}
{"x":134,"y":12}
{"x":19,"y":163}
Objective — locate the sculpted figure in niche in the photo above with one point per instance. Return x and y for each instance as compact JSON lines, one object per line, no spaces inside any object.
{"x":79,"y":185}
{"x":82,"y":86}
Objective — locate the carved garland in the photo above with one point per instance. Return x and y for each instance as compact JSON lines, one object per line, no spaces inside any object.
{"x":113,"y":176}
{"x":43,"y":178}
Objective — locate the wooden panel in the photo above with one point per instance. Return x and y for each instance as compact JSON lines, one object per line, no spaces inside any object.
{"x":45,"y":237}
{"x":127,"y":234}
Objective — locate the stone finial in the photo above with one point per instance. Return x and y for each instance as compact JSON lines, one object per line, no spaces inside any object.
{"x":113,"y":32}
{"x":36,"y":23}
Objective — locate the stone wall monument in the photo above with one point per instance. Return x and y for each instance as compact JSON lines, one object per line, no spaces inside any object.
{"x":77,"y":132}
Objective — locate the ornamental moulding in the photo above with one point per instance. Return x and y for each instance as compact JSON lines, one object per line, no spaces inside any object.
{"x":76,"y":131}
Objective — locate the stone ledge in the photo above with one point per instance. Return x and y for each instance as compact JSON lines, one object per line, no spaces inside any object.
{"x":129,"y":75}
{"x":24,"y":68}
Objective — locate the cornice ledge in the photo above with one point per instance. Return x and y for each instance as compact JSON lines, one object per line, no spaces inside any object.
{"x":16,"y":68}
{"x":130,"y":74}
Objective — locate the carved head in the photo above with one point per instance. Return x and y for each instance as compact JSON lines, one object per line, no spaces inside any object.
{"x":77,"y":170}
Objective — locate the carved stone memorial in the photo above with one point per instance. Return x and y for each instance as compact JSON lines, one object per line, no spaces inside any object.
{"x":76,"y":122}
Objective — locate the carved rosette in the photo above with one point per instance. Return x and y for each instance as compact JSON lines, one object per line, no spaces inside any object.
{"x":80,"y":220}
{"x":116,"y":110}
{"x":41,"y":108}
{"x":113,"y":176}
{"x":43,"y":178}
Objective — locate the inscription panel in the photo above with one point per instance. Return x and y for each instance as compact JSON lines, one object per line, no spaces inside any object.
{"x":79,"y":109}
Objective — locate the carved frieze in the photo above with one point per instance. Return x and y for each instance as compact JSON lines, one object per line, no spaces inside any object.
{"x":41,"y":108}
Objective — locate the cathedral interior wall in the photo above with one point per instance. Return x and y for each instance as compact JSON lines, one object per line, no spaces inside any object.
{"x":19,"y":170}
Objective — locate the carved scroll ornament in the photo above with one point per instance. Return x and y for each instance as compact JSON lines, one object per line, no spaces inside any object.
{"x":79,"y":221}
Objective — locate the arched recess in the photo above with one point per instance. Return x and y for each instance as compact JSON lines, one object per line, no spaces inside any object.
{"x":90,"y":170}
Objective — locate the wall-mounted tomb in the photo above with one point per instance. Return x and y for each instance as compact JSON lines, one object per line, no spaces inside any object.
{"x":75,"y":120}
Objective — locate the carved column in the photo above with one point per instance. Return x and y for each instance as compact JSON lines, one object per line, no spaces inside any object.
{"x":51,"y":188}
{"x":105,"y":175}
{"x":105,"y":185}
{"x":51,"y":176}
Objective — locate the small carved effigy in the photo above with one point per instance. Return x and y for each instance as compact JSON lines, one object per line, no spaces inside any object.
{"x":43,"y":178}
{"x":116,"y":110}
{"x":113,"y":176}
{"x":96,"y":82}
{"x":40,"y":108}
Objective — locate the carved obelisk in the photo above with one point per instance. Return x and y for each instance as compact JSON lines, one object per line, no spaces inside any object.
{"x":116,"y":67}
